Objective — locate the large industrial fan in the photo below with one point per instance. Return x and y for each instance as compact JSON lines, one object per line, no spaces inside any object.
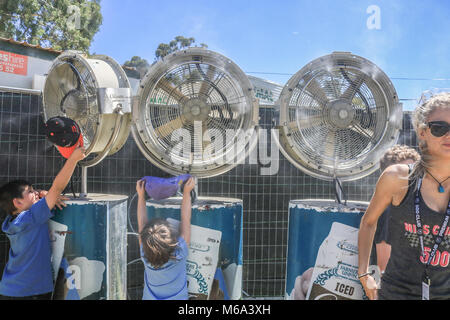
{"x":337,"y":117}
{"x":91,"y":233}
{"x":196,"y":113}
{"x":94,"y":92}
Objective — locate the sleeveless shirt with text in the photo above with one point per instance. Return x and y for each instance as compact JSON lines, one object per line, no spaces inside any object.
{"x":403,"y":276}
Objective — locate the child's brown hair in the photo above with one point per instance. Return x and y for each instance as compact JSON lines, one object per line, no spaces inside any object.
{"x":397,"y":154}
{"x":159,"y":242}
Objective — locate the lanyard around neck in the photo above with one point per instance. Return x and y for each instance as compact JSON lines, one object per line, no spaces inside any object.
{"x":438,"y":239}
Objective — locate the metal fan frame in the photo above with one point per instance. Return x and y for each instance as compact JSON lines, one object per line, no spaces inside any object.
{"x":125,"y":128}
{"x":369,"y":162}
{"x":146,"y":138}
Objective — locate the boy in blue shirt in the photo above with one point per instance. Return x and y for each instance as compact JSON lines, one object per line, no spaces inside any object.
{"x":163,"y":250}
{"x":28,"y":272}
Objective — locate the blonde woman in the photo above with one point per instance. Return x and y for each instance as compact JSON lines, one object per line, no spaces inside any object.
{"x":419,"y":197}
{"x":398,"y":154}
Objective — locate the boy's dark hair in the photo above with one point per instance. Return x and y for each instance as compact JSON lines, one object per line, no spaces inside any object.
{"x":159,"y":242}
{"x":9,"y":191}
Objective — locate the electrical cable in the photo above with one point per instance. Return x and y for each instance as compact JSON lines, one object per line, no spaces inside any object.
{"x":128,"y":214}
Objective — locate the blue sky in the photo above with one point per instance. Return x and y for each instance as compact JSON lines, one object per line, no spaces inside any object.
{"x":282,"y":36}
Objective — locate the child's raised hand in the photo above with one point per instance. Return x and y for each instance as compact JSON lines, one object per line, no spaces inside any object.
{"x":42,"y":193}
{"x":78,"y":154}
{"x":190,"y":184}
{"x":140,"y":188}
{"x":60,"y":202}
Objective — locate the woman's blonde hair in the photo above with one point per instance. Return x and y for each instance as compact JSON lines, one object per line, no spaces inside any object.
{"x":420,"y":122}
{"x":159,"y":242}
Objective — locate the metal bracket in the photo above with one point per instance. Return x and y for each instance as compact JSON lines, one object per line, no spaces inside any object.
{"x":114,"y":100}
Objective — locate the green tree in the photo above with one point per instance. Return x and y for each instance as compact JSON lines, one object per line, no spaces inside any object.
{"x":179,"y":43}
{"x":139,"y":63}
{"x":60,"y":24}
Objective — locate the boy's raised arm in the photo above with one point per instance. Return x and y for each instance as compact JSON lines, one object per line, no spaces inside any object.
{"x":63,"y":177}
{"x":141,"y":207}
{"x":185,"y":225}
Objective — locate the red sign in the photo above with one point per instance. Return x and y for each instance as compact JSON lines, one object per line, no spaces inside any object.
{"x":13,"y":63}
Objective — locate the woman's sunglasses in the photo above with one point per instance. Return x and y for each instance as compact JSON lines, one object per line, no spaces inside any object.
{"x":438,"y":128}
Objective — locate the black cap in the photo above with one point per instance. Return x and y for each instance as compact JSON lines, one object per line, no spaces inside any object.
{"x":63,"y":132}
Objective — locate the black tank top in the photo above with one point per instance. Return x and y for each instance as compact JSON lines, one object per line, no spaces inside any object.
{"x":403,"y":275}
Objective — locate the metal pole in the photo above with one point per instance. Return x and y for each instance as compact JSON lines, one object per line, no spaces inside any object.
{"x":83,"y":193}
{"x":338,"y":189}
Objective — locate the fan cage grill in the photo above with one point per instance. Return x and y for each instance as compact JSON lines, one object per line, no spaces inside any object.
{"x":70,"y":91}
{"x":207,"y":100}
{"x":337,"y":117}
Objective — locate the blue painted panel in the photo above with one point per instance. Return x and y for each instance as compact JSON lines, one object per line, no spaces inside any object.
{"x":228,"y":220}
{"x":87,"y":224}
{"x":308,"y":227}
{"x":224,"y":217}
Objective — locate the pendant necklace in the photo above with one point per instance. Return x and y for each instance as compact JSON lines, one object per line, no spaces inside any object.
{"x":440,"y":187}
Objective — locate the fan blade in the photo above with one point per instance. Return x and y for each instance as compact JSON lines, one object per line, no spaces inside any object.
{"x":316,"y":92}
{"x":197,"y":141}
{"x":166,"y":86}
{"x":72,"y":106}
{"x":366,"y":119}
{"x":304,"y":117}
{"x":168,"y":128}
{"x":163,"y":106}
{"x":368,"y":134}
{"x":161,"y":114}
{"x":353,"y":143}
{"x":334,"y":87}
{"x":217,"y":111}
{"x":305,"y":107}
{"x":54,"y":93}
{"x":308,"y":112}
{"x":212,"y":148}
{"x":303,"y":112}
{"x":66,"y":77}
{"x":206,"y":85}
{"x":223,"y":125}
{"x":356,"y":87}
{"x":206,"y":138}
{"x":88,"y":126}
{"x":306,"y":123}
{"x":352,"y":89}
{"x":329,"y":145}
{"x":216,"y":124}
{"x":166,"y":109}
